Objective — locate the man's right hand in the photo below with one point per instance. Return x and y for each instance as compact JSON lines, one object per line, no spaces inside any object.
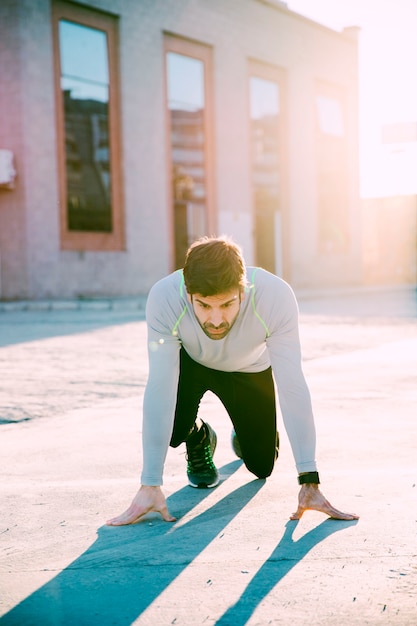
{"x":147,"y":500}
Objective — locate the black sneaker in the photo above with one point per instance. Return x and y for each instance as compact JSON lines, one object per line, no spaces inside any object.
{"x":201,"y":471}
{"x":237,"y":450}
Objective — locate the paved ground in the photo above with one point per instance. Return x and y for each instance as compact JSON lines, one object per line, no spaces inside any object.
{"x":71,"y":386}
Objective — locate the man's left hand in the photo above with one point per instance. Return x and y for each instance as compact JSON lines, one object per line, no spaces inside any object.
{"x":311,"y":498}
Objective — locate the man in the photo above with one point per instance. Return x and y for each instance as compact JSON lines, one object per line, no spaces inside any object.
{"x":219,"y":326}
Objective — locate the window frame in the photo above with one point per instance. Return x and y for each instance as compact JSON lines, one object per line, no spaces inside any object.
{"x":276,"y":74}
{"x":202,"y":52}
{"x":87,"y":240}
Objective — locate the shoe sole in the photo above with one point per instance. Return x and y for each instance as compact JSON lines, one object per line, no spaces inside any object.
{"x":204,"y":485}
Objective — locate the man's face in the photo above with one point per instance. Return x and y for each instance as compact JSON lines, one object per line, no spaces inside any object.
{"x":216,"y":314}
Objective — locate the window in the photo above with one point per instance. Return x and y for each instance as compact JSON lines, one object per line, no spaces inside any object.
{"x":332,"y":163}
{"x":266,"y":98}
{"x":88,"y":128}
{"x":188,"y":88}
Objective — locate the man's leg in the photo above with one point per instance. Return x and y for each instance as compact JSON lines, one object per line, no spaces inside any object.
{"x":250,"y":401}
{"x":191,"y":388}
{"x":199,"y":437}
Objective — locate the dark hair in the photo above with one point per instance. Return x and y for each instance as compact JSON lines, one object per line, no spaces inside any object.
{"x":214,"y":265}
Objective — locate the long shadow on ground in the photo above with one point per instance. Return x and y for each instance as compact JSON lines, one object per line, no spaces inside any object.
{"x":127,"y":568}
{"x":285,"y":556}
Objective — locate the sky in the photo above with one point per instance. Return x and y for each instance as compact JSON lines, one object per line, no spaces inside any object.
{"x":387,"y":83}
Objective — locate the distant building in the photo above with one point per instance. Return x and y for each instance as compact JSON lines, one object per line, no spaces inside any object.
{"x":404,"y":132}
{"x":389,"y":208}
{"x":138,"y":126}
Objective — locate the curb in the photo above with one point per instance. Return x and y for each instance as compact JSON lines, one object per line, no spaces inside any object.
{"x":104,"y":304}
{"x":138,"y":303}
{"x":361,"y":290}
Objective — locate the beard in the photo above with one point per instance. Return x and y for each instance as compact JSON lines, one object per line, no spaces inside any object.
{"x":216,"y":332}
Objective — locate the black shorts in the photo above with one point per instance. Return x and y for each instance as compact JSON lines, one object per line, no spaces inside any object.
{"x":249,"y":399}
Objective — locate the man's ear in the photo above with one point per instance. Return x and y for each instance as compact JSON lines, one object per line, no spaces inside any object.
{"x":189,"y":298}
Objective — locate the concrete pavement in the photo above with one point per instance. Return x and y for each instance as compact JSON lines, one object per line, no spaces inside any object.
{"x":71,"y":387}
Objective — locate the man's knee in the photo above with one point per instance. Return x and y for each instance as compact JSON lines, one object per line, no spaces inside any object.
{"x":261,"y":470}
{"x":262,"y":462}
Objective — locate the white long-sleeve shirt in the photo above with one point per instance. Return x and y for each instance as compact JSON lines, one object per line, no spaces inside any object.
{"x":265,"y":333}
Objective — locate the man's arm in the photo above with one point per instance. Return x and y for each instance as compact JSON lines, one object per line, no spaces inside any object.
{"x":294,"y":397}
{"x":158,"y":415}
{"x":158,"y":412}
{"x":284,"y":350}
{"x":158,"y":408}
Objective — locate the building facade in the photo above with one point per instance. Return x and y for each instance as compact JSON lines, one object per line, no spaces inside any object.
{"x":138,"y":126}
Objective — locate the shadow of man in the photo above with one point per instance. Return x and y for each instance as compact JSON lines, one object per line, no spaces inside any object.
{"x":127,"y":567}
{"x":285,"y":556}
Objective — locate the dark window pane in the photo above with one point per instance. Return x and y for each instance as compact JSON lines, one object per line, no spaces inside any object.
{"x":85,"y":87}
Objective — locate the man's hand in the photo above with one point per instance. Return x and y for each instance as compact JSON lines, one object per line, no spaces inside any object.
{"x":310,"y":497}
{"x":147,"y":500}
